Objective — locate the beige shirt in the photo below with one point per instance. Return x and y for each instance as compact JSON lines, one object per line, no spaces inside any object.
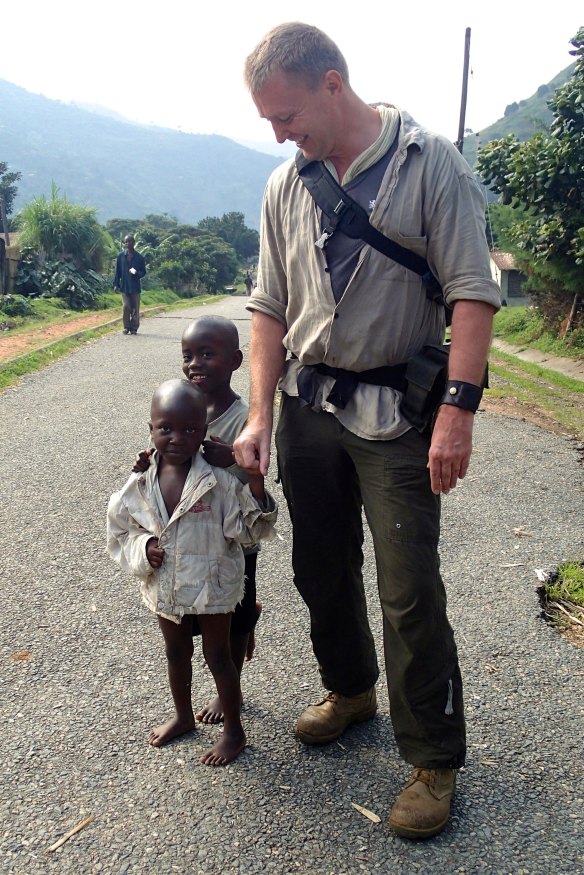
{"x":428,"y":202}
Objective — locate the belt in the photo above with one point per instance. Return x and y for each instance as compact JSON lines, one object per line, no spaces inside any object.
{"x":346,"y":382}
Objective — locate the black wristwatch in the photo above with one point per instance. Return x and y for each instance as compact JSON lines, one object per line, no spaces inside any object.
{"x":467,"y":396}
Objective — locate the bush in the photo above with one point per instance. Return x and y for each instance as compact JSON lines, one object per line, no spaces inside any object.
{"x":15,"y":305}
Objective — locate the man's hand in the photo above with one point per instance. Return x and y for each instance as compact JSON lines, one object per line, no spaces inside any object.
{"x":154,"y":554}
{"x":252,"y":449}
{"x":217,"y":452}
{"x":451,"y":448}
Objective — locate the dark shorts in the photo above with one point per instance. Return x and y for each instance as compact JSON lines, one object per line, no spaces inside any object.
{"x":244,"y":617}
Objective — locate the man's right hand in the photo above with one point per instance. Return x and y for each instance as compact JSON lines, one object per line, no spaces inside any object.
{"x":252,"y":448}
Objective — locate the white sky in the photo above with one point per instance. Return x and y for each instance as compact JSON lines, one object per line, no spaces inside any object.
{"x":179,"y":64}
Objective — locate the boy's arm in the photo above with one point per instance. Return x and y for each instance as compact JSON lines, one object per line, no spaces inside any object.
{"x":126,"y":540}
{"x":250,"y":512}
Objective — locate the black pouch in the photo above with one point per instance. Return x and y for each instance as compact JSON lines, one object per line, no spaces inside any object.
{"x":426,"y":377}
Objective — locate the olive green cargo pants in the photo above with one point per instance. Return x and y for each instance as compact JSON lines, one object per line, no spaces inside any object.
{"x":328,"y":474}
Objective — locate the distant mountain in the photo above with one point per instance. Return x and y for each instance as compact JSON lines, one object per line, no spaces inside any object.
{"x":523,"y":119}
{"x":126,"y":169}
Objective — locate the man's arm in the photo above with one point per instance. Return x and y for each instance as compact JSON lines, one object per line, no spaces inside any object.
{"x":451,"y":445}
{"x":266,"y":360}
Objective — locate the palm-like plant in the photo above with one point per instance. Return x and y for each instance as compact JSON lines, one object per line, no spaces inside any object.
{"x":58,"y":230}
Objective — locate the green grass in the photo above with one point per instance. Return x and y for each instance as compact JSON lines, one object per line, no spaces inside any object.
{"x":523,"y":326}
{"x":569,"y":585}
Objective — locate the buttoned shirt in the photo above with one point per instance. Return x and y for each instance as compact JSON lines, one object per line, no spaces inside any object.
{"x":429,"y":202}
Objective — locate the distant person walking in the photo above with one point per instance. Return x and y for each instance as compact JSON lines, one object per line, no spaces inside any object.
{"x":248,"y":283}
{"x":130,"y":268}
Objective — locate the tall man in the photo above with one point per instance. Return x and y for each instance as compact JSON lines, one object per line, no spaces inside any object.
{"x":130,"y":268}
{"x":347,"y":306}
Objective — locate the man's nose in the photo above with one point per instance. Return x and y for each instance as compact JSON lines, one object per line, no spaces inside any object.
{"x":279,"y":132}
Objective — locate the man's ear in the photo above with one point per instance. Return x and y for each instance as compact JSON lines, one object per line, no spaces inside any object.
{"x":237,"y":359}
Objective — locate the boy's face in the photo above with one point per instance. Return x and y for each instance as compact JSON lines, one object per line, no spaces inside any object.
{"x":209,"y":358}
{"x":177,"y":427}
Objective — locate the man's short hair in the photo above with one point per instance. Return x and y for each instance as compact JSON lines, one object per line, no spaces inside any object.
{"x":298,"y":50}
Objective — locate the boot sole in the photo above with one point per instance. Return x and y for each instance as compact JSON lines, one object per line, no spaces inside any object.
{"x":305,"y":738}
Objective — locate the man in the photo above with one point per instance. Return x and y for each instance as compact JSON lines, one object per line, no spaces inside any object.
{"x":130,"y":268}
{"x":248,"y":283}
{"x":347,"y":306}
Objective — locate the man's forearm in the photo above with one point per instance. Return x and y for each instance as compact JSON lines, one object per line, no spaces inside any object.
{"x":266,"y":359}
{"x":472,"y":324}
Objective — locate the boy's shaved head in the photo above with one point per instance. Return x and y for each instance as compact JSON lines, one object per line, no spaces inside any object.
{"x":224,"y":329}
{"x":175,"y":393}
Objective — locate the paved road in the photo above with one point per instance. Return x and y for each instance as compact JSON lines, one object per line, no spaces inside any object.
{"x":83,"y":671}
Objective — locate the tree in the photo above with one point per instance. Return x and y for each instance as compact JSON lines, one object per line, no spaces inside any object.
{"x":231,"y":227}
{"x":542,"y":179}
{"x":8,"y":187}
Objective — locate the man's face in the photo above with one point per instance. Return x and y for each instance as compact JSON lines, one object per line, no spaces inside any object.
{"x":177,"y":428}
{"x":129,"y":244}
{"x":298,"y":114}
{"x":208,"y":358}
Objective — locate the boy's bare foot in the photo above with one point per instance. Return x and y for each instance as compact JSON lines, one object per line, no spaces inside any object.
{"x":251,"y":640}
{"x":171,"y":729}
{"x":227,"y":749}
{"x":212,"y":712}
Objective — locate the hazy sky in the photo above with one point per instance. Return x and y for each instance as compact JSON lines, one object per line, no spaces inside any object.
{"x":179,"y":64}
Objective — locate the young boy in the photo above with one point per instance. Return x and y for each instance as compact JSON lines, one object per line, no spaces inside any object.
{"x":210,"y":355}
{"x":178,"y":528}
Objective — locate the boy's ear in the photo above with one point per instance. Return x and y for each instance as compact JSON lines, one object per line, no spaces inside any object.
{"x":150,"y":427}
{"x":237,"y":359}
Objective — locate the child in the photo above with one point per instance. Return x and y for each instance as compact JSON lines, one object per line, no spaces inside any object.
{"x":210,"y":354}
{"x":179,"y":527}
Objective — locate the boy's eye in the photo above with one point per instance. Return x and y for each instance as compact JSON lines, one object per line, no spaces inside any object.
{"x":164,"y":429}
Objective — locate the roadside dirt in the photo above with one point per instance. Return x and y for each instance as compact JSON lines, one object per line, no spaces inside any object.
{"x":13,"y":345}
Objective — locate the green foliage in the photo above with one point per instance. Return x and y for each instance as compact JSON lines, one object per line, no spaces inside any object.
{"x":526,"y":326}
{"x":231,"y":228}
{"x":15,"y":305}
{"x":59,"y":278}
{"x":59,"y":230}
{"x":542,"y":179}
{"x":186,"y":258}
{"x":568,"y":585}
{"x":8,"y":187}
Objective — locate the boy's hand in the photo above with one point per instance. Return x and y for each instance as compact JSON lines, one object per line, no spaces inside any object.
{"x":142,"y":462}
{"x":256,"y":485}
{"x":217,"y":452}
{"x":154,"y":554}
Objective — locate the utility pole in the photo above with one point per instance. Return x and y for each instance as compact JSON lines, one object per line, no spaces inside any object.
{"x":460,"y":141}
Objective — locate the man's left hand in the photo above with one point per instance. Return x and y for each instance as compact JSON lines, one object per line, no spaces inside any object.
{"x":450,"y":449}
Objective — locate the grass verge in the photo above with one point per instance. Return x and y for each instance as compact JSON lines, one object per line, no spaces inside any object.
{"x":523,"y":326}
{"x":562,"y":599}
{"x":537,"y":390}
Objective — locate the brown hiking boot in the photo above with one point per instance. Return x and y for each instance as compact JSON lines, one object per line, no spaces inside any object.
{"x":423,"y":807}
{"x":329,"y":718}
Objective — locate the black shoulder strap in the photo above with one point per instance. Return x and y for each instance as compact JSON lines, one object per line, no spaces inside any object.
{"x":346,"y":215}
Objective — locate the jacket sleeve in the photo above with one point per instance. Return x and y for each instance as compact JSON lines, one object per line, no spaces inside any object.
{"x":118,"y":274}
{"x":141,"y":268}
{"x":126,"y":540}
{"x":245,"y":520}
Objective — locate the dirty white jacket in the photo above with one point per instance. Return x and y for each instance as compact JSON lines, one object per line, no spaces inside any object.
{"x":203,"y":567}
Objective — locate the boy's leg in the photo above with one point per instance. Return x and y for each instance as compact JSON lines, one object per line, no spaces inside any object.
{"x":243,"y":622}
{"x":179,"y":651}
{"x":215,"y":634}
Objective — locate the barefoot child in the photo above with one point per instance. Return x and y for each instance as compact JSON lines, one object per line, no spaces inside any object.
{"x":210,"y":355}
{"x":178,"y":528}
